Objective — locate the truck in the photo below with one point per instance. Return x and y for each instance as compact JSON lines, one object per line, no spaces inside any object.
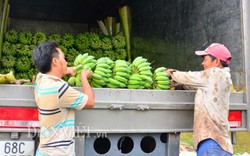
{"x":132,"y":121}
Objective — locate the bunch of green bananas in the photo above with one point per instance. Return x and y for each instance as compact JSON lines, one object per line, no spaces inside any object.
{"x":106,"y":44}
{"x":81,"y":61}
{"x":76,"y":80}
{"x":135,"y":82}
{"x":161,"y":79}
{"x":39,"y":37}
{"x":55,"y":37}
{"x":24,"y":50}
{"x":9,"y":49}
{"x":25,"y":37}
{"x":23,"y":64}
{"x":11,"y":36}
{"x":68,"y":40}
{"x":82,"y":41}
{"x":86,"y":60}
{"x":8,"y":61}
{"x":142,"y":69}
{"x":102,"y":72}
{"x":121,"y":74}
{"x":95,"y":41}
{"x":118,"y":42}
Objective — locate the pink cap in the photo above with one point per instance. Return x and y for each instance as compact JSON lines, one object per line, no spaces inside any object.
{"x":217,"y":50}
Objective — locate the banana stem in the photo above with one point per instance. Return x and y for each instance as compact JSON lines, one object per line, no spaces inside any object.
{"x":7,"y":18}
{"x":4,"y":19}
{"x":126,"y":23}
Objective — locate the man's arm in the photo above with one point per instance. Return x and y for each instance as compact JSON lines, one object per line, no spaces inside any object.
{"x":191,"y":80}
{"x":87,"y":89}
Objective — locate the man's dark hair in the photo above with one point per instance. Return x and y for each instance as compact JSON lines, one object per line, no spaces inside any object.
{"x":223,"y":63}
{"x":43,"y":55}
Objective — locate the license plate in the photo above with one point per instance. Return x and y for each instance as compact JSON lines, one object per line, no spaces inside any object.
{"x":17,"y":148}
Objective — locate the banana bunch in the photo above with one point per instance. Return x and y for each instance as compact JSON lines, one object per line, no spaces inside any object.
{"x":7,"y":78}
{"x":11,"y":36}
{"x":55,"y":37}
{"x":102,"y":72}
{"x":86,"y":60}
{"x":161,"y":79}
{"x":76,"y":80}
{"x":25,"y":37}
{"x":121,"y":74}
{"x":135,"y":82}
{"x":81,"y":61}
{"x":39,"y":37}
{"x":142,"y":67}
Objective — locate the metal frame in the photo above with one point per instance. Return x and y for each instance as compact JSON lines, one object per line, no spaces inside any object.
{"x":246,"y":45}
{"x":128,"y":110}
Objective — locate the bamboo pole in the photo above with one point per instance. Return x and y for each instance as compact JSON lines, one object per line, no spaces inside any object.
{"x":6,"y":2}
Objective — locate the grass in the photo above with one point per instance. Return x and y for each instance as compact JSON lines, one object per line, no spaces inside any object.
{"x":242,"y":146}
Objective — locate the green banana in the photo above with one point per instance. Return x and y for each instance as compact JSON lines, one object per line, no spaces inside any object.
{"x":121,"y":69}
{"x":78,"y":60}
{"x":96,"y":76}
{"x":84,"y":56}
{"x":134,"y":82}
{"x":142,"y":60}
{"x":134,"y":86}
{"x":146,"y":72}
{"x":136,"y":59}
{"x":161,"y":78}
{"x":96,"y":85}
{"x":122,"y":85}
{"x":89,"y":59}
{"x":166,"y":82}
{"x":103,"y":70}
{"x":147,"y":84}
{"x":147,"y":78}
{"x":163,"y":86}
{"x":146,"y":68}
{"x":123,"y":74}
{"x":99,"y":81}
{"x":145,"y":64}
{"x":135,"y":77}
{"x":121,"y":79}
{"x":72,"y":81}
{"x":100,"y":73}
{"x":78,"y":68}
{"x":103,"y":65}
{"x":78,"y":82}
{"x":110,"y":85}
{"x":89,"y":65}
{"x":113,"y":81}
{"x":160,"y":69}
{"x":160,"y":74}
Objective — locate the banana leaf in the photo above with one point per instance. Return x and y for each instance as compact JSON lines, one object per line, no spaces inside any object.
{"x":117,"y":28}
{"x":125,"y":16}
{"x":110,"y":23}
{"x":102,"y":26}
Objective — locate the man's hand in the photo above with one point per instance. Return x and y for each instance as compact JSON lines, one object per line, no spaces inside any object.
{"x":71,"y":71}
{"x":85,"y":73}
{"x":169,"y":71}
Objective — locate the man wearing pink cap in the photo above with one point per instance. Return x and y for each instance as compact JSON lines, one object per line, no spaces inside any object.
{"x":213,"y":84}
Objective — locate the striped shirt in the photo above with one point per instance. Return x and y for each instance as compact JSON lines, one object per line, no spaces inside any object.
{"x":57,"y":102}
